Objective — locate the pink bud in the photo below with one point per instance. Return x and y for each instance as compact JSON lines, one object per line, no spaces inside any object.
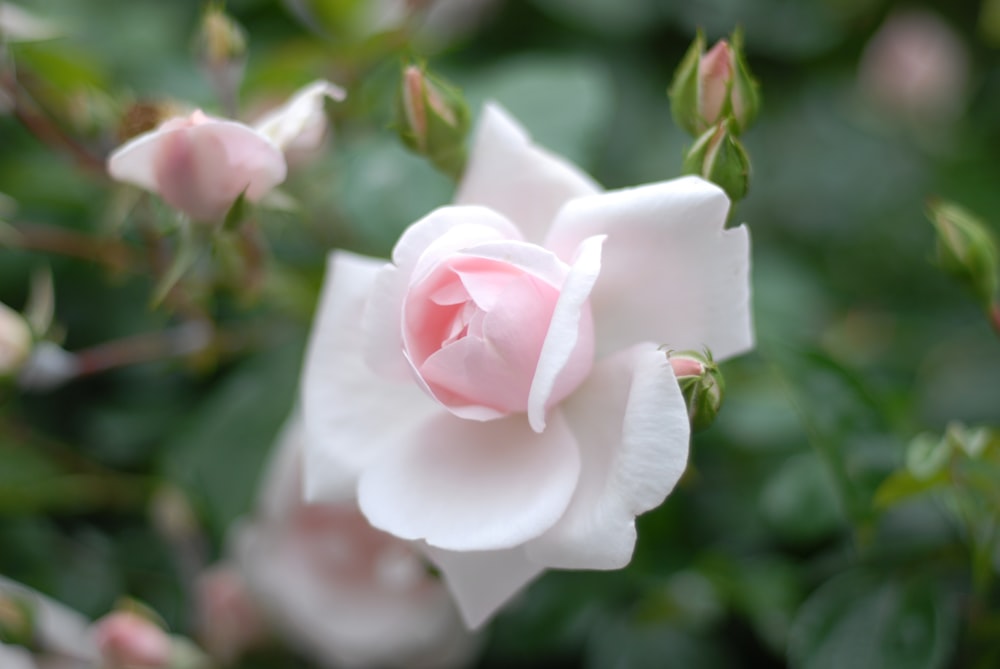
{"x":686,"y":367}
{"x":716,"y":73}
{"x":129,"y":641}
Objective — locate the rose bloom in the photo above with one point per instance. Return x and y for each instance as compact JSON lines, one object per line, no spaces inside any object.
{"x":340,"y":591}
{"x":201,"y":164}
{"x":499,"y":392}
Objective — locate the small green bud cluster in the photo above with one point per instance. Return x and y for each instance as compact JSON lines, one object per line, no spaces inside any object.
{"x":715,"y":99}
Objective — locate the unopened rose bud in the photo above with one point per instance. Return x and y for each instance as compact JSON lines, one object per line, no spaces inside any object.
{"x":127,"y":640}
{"x":967,"y":250}
{"x":220,"y":39}
{"x":433,"y":119}
{"x":17,"y":625}
{"x":15,"y":341}
{"x":719,"y":157}
{"x":711,"y":87}
{"x":221,"y":48}
{"x":702,"y":384}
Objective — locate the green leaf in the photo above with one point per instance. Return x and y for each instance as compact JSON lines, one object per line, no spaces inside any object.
{"x":903,"y":485}
{"x":861,"y":621}
{"x":217,"y":455}
{"x":800,"y":500}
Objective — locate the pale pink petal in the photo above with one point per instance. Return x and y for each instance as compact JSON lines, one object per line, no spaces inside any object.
{"x":253,"y":162}
{"x":568,"y":352}
{"x":632,"y":426}
{"x":670,"y":272}
{"x":447,"y":230}
{"x":343,"y":622}
{"x":470,"y":486}
{"x":301,"y":120}
{"x":440,"y":233}
{"x":482,"y":582}
{"x":350,"y":414}
{"x":524,"y":182}
{"x":200,"y":165}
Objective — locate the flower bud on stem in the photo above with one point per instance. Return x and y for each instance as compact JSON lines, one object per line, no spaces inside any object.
{"x":432,"y":119}
{"x":702,"y":384}
{"x":714,"y":86}
{"x":719,"y":157}
{"x":967,"y":250}
{"x":221,"y":47}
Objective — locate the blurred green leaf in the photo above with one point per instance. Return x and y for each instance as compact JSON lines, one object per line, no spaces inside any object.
{"x":863,"y":620}
{"x":217,"y":454}
{"x":800,"y":500}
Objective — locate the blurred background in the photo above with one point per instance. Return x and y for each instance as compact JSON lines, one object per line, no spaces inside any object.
{"x":775,"y":550}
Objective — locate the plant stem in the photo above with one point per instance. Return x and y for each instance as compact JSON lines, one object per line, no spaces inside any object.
{"x":115,"y":255}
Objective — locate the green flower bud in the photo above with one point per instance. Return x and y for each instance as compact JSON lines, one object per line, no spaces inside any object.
{"x":966,"y":249}
{"x":220,"y":40}
{"x":711,"y":87}
{"x":17,"y":620}
{"x":702,"y":384}
{"x":221,"y":47}
{"x":433,"y":120}
{"x":720,"y":157}
{"x":16,"y":341}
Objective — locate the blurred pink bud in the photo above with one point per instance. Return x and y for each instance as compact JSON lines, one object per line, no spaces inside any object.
{"x":200,"y":164}
{"x":228,"y":619}
{"x":916,"y":65}
{"x":128,"y":641}
{"x":686,"y":367}
{"x":15,"y":340}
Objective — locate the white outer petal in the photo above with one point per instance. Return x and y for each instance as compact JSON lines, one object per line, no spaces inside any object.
{"x":632,"y":425}
{"x":482,"y":582}
{"x":302,"y":115}
{"x":670,"y":271}
{"x":524,"y":182}
{"x":351,"y":415}
{"x":564,"y":329}
{"x":16,"y":657}
{"x":469,"y":486}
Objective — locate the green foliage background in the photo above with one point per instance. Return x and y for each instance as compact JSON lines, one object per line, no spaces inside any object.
{"x":772,"y":552}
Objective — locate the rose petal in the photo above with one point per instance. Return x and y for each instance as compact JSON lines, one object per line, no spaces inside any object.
{"x":300,"y":120}
{"x":447,"y":230}
{"x":470,"y":486}
{"x":524,"y":182}
{"x":200,"y":166}
{"x":57,"y":628}
{"x":569,"y":338}
{"x":670,"y":273}
{"x":281,"y":489}
{"x":632,"y":426}
{"x":443,"y":231}
{"x":482,"y":582}
{"x":15,"y":657}
{"x":342,"y":622}
{"x":350,"y":414}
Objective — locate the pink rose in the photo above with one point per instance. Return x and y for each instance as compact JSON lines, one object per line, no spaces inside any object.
{"x":339,"y":590}
{"x":201,"y":164}
{"x":498,"y":393}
